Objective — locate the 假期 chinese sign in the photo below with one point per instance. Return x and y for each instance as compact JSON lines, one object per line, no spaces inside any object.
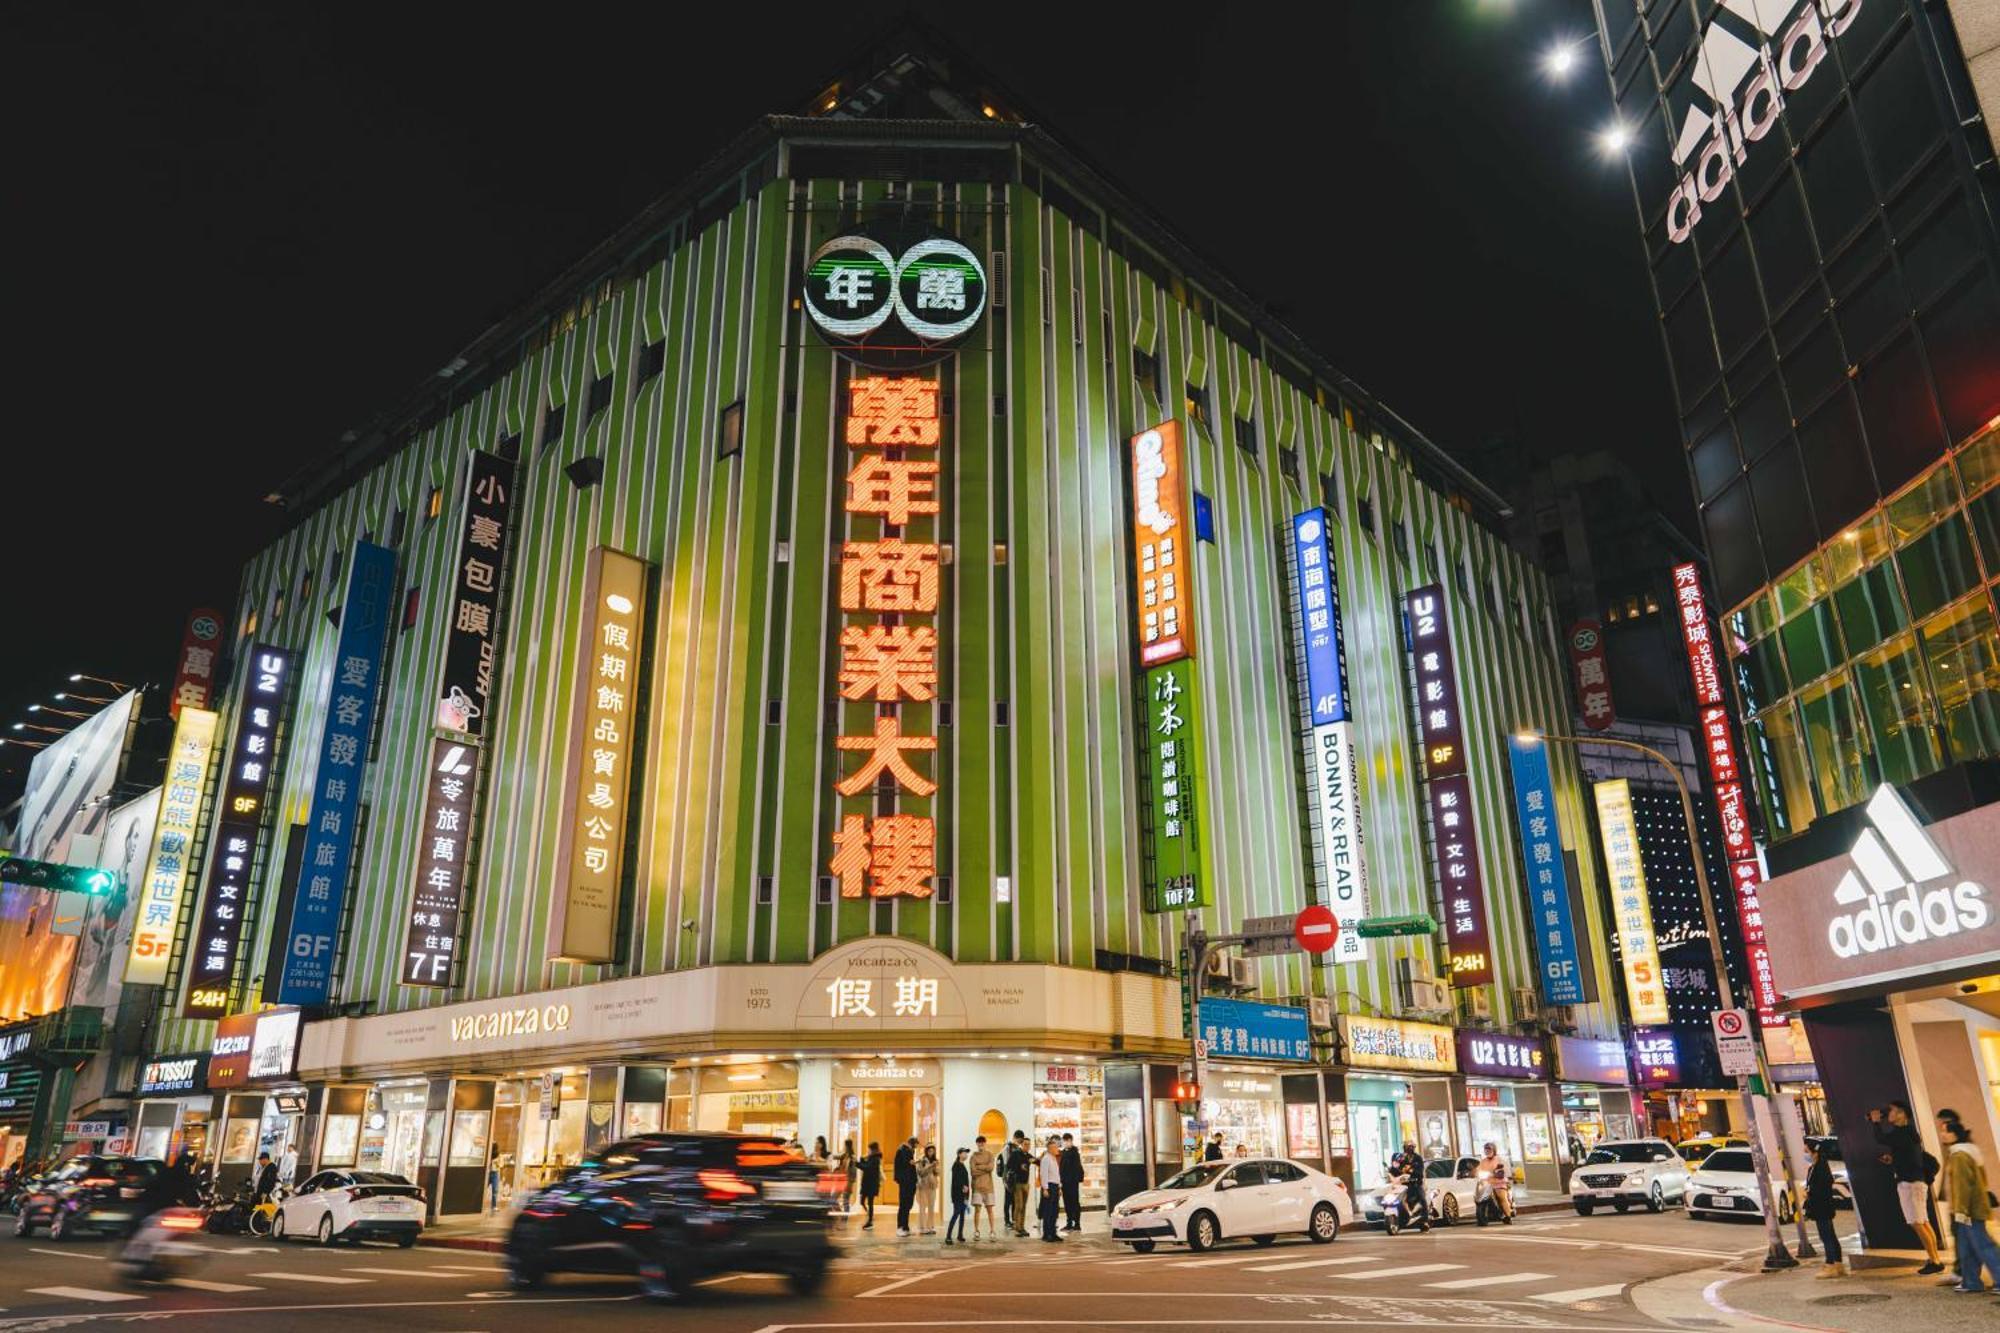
{"x":1437,"y":683}
{"x":194,"y":678}
{"x":1263,"y":1031}
{"x":1549,"y":914}
{"x":430,"y":944}
{"x":1593,"y":675}
{"x":253,"y":762}
{"x":1463,"y":883}
{"x":1162,"y":577}
{"x":472,"y":616}
{"x":159,"y":897}
{"x":891,"y":298}
{"x":1172,"y":743}
{"x":891,"y":658}
{"x":1644,"y":987}
{"x":1726,"y":778}
{"x":584,"y":925}
{"x":1330,"y":741}
{"x":349,"y":722}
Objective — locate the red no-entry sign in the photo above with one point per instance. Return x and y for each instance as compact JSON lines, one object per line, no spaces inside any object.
{"x":1315,"y":929}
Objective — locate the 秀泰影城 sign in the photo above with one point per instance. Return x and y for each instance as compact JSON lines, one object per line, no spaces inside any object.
{"x":894,"y":297}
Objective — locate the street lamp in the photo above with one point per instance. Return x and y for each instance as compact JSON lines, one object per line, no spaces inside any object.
{"x":76,"y":676}
{"x":1559,"y":61}
{"x":71,"y":696}
{"x":59,"y":712}
{"x":1777,"y":1256}
{"x":30,"y":726}
{"x":1614,"y":138}
{"x":24,"y":744}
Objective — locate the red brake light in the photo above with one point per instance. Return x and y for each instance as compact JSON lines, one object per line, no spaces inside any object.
{"x":724,"y":1186}
{"x":181,"y":1222}
{"x":97,"y":1182}
{"x":832,"y":1182}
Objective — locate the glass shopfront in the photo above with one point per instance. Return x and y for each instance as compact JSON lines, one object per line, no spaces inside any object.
{"x":1247,"y":1109}
{"x":1069,"y":1099}
{"x":1382,"y":1117}
{"x":752,"y":1097}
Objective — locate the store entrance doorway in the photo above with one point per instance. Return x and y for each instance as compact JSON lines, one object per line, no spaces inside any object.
{"x":888,"y":1117}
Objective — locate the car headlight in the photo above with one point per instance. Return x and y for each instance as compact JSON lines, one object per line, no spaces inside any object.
{"x":1163,"y":1206}
{"x":1635,"y":1178}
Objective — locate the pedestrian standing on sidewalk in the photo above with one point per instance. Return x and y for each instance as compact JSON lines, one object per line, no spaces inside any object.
{"x":1970,"y":1205}
{"x":961,"y":1192}
{"x":1820,"y":1206}
{"x":1020,"y":1169}
{"x":906,"y":1184}
{"x":1049,"y":1186}
{"x":1072,"y":1184}
{"x":983,"y":1167}
{"x":1904,"y":1156}
{"x":871,"y":1183}
{"x":927,"y":1187}
{"x":1213,"y":1152}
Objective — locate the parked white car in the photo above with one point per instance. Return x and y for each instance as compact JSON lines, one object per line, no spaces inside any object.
{"x":352,"y":1205}
{"x":1259,"y":1197}
{"x":1725,"y":1185}
{"x":1622,"y":1172}
{"x":1452,"y":1186}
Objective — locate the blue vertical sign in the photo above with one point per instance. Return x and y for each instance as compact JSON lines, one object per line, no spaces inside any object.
{"x":336,"y":794}
{"x":1319,"y":606}
{"x":1548,"y":882}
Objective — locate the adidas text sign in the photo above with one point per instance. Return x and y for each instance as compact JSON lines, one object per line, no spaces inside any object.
{"x":1898,"y":890}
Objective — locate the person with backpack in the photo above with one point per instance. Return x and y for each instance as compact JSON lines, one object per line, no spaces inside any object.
{"x":1820,"y":1206}
{"x":871,"y":1183}
{"x":1971,"y":1206}
{"x":1914,"y":1169}
{"x":1020,"y":1167}
{"x":961,"y":1192}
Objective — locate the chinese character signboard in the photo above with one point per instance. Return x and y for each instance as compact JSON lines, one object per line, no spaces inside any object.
{"x":1726,"y":780}
{"x":1656,"y":1056}
{"x":584,"y":924}
{"x":1162,"y":575}
{"x":430,"y":944}
{"x":1172,"y":739}
{"x":349,"y":722}
{"x":1437,"y":683}
{"x":472,"y":616}
{"x":1593,"y":675}
{"x":889,"y":657}
{"x":1330,"y":743}
{"x":229,"y":1051}
{"x":1464,"y":886}
{"x":1260,"y":1031}
{"x":1645,"y":989}
{"x":1394,"y":1043}
{"x":159,"y":896}
{"x":246,"y":786}
{"x":194,"y":678}
{"x":894,"y":298}
{"x":1499,"y":1055}
{"x":1549,"y":914}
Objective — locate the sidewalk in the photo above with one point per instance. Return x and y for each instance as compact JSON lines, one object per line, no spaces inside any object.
{"x":1744,"y":1296}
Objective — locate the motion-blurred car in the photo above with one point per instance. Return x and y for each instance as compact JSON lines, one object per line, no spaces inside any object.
{"x":336,"y":1206}
{"x":94,"y":1193}
{"x":1259,"y":1197}
{"x":677,"y":1208}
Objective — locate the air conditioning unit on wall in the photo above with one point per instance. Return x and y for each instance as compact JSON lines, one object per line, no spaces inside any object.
{"x":1425,"y":997}
{"x":1527,"y":1004}
{"x":1243,"y":974}
{"x":1319,"y":1011}
{"x":1476,"y":1004}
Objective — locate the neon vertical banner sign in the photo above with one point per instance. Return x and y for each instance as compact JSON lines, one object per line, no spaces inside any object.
{"x":246,"y":786}
{"x":1454,"y":832}
{"x":159,"y":905}
{"x":1638,"y":947}
{"x":891,"y":660}
{"x":1331,"y":769}
{"x":584,"y":918}
{"x":1547,"y":878}
{"x":307,"y":975}
{"x":1725,"y":778}
{"x":1173,"y":740}
{"x":1162,"y":579}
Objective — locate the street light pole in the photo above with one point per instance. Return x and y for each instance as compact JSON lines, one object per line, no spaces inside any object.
{"x":1777,"y":1256}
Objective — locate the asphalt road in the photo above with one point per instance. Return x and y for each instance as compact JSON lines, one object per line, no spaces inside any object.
{"x":1554,"y":1272}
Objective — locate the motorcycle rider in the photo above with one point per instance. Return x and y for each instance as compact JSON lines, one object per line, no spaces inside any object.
{"x":171,"y":1188}
{"x":1409,"y":1166}
{"x":1498,"y":1181}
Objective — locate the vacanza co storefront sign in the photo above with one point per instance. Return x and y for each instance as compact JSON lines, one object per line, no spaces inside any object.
{"x":1907,"y":901}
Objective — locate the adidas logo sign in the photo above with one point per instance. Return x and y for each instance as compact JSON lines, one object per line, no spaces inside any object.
{"x":1886,"y":886}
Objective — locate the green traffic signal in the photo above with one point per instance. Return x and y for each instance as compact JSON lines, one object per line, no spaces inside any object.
{"x":94,"y":881}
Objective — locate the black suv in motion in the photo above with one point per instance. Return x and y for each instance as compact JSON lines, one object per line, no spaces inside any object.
{"x":90,"y":1193}
{"x":675,"y":1208}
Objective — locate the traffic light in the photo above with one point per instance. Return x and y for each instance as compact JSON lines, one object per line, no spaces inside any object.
{"x":1187,"y":1091}
{"x":92,"y":880}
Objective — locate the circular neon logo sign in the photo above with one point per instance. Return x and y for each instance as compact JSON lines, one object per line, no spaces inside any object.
{"x":894,"y":303}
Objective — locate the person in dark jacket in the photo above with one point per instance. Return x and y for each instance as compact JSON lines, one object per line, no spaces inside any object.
{"x":1213,"y":1151}
{"x":1820,"y":1207}
{"x":1020,"y":1168}
{"x":906,"y":1185}
{"x":1903,"y":1154}
{"x":1409,"y":1164}
{"x":267,"y":1177}
{"x":871,"y":1183}
{"x":173,"y":1187}
{"x":1072,"y":1184}
{"x":961,"y":1194}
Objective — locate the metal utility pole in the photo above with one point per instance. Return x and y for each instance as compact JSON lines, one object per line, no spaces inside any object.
{"x":1777,"y":1256}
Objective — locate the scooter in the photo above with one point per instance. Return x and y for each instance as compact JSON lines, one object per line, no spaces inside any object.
{"x":232,"y":1218}
{"x":163,"y":1247}
{"x":1493,"y":1200}
{"x":1395,"y":1204}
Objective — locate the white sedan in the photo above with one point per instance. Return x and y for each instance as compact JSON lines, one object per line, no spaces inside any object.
{"x":1259,"y":1197}
{"x":352,"y":1205}
{"x":1725,"y":1185}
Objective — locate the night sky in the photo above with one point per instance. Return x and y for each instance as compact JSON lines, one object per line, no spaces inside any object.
{"x":237,"y":231}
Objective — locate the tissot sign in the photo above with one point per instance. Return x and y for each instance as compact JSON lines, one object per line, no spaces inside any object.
{"x":1906,"y":902}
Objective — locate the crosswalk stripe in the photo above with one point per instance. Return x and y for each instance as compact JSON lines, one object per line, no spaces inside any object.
{"x":1578,"y":1294}
{"x":1504,"y":1279}
{"x":407,"y":1272}
{"x":221,"y":1288}
{"x":1210,"y":1263}
{"x":1405,"y":1271}
{"x":84,"y":1294}
{"x":481,"y":1271}
{"x":312,"y":1277}
{"x":1311,"y":1263}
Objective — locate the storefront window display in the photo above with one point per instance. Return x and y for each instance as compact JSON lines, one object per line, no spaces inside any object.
{"x":392,"y":1130}
{"x":1246,"y":1109}
{"x":1069,"y":1099}
{"x":1490,"y":1108}
{"x":749,"y":1099}
{"x":1382,"y":1116}
{"x":1125,"y":1123}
